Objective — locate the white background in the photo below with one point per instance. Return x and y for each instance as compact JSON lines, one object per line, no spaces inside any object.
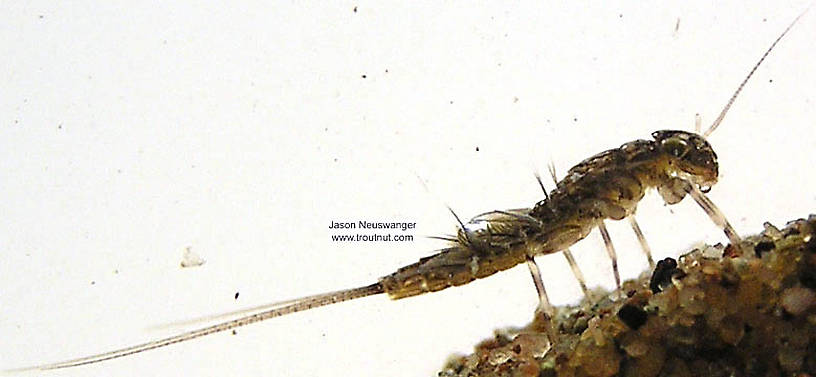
{"x":130,"y":131}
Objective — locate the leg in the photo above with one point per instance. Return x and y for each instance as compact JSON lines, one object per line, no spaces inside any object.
{"x":611,"y":251}
{"x":716,"y":215}
{"x":544,"y":306}
{"x":577,"y":272}
{"x":567,"y":253}
{"x":643,"y":245}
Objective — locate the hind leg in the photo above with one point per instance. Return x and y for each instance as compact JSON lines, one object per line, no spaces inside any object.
{"x":567,"y":253}
{"x":545,"y":308}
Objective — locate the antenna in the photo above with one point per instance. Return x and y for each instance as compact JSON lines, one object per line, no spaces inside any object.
{"x":742,"y":85}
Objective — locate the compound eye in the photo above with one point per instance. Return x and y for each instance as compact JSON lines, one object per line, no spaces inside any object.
{"x":675,"y":147}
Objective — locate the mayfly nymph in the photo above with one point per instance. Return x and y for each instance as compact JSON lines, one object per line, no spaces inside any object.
{"x":606,"y":186}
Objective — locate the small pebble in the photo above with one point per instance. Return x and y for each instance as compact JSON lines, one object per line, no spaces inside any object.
{"x":798,"y":300}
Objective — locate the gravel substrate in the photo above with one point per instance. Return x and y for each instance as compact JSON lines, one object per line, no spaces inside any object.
{"x":714,"y":312}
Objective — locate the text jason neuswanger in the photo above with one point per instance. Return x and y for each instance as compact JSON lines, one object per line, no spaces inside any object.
{"x":373,"y":225}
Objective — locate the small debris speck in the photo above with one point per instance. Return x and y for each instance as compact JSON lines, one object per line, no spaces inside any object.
{"x":763,"y":247}
{"x":662,"y":274}
{"x":632,"y":316}
{"x":236,"y":295}
{"x":190,"y":259}
{"x":355,"y":9}
{"x":477,"y":149}
{"x":364,"y":76}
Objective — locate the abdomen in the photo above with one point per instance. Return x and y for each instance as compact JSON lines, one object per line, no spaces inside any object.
{"x":451,"y":267}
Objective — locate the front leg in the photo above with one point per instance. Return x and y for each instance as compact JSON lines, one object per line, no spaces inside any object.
{"x":717,"y":216}
{"x":674,"y":190}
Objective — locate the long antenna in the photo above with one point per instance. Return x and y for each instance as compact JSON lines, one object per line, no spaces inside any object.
{"x":288,"y":307}
{"x":742,"y":85}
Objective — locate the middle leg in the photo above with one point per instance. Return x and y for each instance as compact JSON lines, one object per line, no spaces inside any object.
{"x":643,"y":245}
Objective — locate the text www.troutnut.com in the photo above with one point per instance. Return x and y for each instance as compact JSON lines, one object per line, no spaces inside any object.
{"x":375,"y":231}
